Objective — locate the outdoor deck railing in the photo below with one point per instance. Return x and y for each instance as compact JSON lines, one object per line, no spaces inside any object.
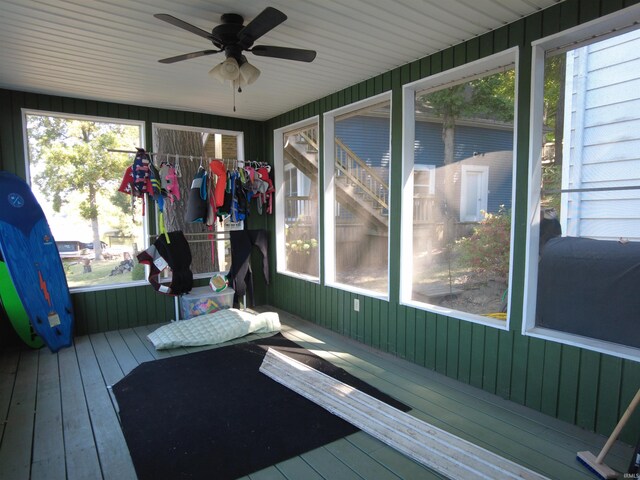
{"x":361,"y":176}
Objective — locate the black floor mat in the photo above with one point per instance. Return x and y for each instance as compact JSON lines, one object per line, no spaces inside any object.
{"x":213,"y":415}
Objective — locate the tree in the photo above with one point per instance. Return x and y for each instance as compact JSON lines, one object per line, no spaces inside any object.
{"x":490,"y":98}
{"x":72,"y":156}
{"x":185,"y":142}
{"x":553,"y":106}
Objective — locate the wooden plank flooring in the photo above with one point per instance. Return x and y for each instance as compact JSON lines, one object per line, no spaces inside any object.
{"x":59,"y":419}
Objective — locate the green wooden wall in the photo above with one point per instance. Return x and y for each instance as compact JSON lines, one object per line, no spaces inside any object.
{"x":131,"y":306}
{"x":589,"y":389}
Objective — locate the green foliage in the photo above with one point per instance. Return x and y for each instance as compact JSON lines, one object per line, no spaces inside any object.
{"x":554,"y":73}
{"x":301,"y":249}
{"x":486,"y":251}
{"x":552,"y":180}
{"x":137,"y":273}
{"x":297,"y":240}
{"x":490,"y":97}
{"x":71,"y":156}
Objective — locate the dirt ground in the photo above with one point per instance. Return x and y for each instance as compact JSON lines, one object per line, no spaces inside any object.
{"x":479,"y":297}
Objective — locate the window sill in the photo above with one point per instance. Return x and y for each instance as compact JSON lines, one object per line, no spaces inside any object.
{"x":358,"y":291}
{"x":299,"y":276}
{"x":600,"y":346}
{"x":459,"y":315}
{"x":112,"y":286}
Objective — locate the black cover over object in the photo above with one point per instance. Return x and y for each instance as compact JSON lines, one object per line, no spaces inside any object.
{"x":591,"y":288}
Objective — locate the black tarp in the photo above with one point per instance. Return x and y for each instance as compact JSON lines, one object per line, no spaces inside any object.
{"x":591,"y":288}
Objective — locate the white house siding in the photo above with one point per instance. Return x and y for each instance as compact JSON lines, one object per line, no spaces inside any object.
{"x":602,"y":105}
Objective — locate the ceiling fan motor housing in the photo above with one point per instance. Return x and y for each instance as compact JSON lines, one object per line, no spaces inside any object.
{"x":233,"y":37}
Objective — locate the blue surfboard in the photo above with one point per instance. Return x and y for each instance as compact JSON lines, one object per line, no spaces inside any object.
{"x":34,"y":264}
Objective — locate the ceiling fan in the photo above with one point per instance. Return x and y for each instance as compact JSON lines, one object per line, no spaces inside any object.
{"x":233,"y":38}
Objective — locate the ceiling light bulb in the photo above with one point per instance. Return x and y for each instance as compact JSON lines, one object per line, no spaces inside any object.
{"x":215,"y":72}
{"x":249,"y":73}
{"x":230,"y":69}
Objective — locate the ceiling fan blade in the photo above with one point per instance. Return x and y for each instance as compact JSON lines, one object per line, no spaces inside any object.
{"x":284,"y":52}
{"x":187,"y":56}
{"x":266,"y":20}
{"x":182,"y":24}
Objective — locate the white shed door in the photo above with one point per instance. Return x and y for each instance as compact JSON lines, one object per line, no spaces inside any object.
{"x":474,"y":192}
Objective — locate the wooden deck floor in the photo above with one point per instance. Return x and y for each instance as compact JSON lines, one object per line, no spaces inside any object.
{"x":58,"y":417}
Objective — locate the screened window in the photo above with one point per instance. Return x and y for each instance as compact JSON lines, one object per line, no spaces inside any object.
{"x":458,"y":177}
{"x":297,"y":213}
{"x":75,"y":178}
{"x":357,"y":163}
{"x":584,"y":262}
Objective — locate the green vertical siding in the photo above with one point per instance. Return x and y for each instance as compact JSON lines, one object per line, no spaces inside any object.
{"x":112,"y":309}
{"x":582,"y":387}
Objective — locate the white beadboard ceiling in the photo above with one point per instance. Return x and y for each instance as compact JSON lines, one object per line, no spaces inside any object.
{"x":109,"y":49}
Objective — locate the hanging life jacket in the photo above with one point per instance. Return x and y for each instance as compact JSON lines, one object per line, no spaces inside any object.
{"x":136,"y":181}
{"x":218,"y":168}
{"x":141,"y":174}
{"x":197,"y":202}
{"x":159,"y":195}
{"x":170,"y":181}
{"x":239,"y":207}
{"x":267,"y":197}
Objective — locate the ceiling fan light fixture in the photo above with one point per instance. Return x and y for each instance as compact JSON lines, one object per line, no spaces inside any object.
{"x":215,"y":72}
{"x":249,"y":73}
{"x":230,"y":69}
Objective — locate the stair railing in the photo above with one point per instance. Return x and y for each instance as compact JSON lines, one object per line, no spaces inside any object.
{"x":364,"y":178}
{"x":310,"y":137}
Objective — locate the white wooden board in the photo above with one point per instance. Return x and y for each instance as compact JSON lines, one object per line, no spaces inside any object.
{"x":429,"y":445}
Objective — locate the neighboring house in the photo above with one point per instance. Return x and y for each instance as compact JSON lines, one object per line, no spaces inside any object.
{"x":603,"y":85}
{"x":483,"y":159}
{"x":482,"y":169}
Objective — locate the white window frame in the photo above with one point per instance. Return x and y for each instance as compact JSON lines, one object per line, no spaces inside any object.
{"x":462,"y":74}
{"x":216,"y":131}
{"x":90,"y":118}
{"x":330,"y":198}
{"x":240,"y":157}
{"x":613,"y":24}
{"x":278,"y":162}
{"x":432,"y":176}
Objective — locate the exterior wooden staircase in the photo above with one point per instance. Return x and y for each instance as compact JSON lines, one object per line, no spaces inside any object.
{"x":359,"y":187}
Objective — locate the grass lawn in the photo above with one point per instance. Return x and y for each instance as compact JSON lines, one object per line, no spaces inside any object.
{"x":99,"y":275}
